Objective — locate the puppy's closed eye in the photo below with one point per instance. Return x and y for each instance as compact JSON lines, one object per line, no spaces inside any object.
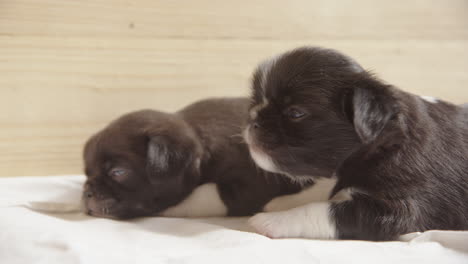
{"x":294,"y":113}
{"x":120,"y":174}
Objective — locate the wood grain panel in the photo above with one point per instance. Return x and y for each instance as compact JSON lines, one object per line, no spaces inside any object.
{"x":69,"y":67}
{"x":251,"y":19}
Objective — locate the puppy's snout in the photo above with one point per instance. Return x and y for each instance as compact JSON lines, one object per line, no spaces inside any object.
{"x":100,"y":207}
{"x":255,"y":125}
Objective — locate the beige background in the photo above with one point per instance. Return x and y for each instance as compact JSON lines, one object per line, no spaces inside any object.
{"x":69,"y":67}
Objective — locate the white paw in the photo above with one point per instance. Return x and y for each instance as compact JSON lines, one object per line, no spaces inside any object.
{"x":266,"y":224}
{"x":273,"y":225}
{"x":309,"y":221}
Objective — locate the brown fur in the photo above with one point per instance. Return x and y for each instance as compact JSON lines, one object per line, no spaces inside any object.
{"x":147,"y":161}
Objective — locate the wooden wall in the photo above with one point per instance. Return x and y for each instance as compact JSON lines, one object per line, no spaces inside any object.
{"x":68,"y":67}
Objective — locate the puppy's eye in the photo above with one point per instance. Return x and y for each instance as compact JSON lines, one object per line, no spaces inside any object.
{"x":294,"y":113}
{"x":119,"y":174}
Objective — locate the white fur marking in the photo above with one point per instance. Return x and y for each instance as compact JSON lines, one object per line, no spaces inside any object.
{"x":430,"y":99}
{"x":197,"y":164}
{"x":263,"y":161}
{"x":260,"y":158}
{"x":266,"y":162}
{"x":309,"y":221}
{"x":264,"y":69}
{"x":319,"y":192}
{"x":204,"y":201}
{"x":343,"y":195}
{"x":254,"y":111}
{"x":158,"y":156}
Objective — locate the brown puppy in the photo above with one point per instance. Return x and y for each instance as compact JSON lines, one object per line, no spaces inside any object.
{"x":148,"y":161}
{"x":402,"y":158}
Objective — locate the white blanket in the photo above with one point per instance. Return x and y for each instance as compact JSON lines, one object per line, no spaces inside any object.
{"x":31,"y":236}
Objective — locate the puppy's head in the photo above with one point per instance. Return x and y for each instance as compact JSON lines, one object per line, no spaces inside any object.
{"x":139,"y":165}
{"x":311,"y":108}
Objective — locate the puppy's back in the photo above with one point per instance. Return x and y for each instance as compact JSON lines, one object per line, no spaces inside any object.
{"x":217,"y":109}
{"x":217,"y":120}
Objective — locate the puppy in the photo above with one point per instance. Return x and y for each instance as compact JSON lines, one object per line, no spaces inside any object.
{"x":402,"y":159}
{"x":191,"y":163}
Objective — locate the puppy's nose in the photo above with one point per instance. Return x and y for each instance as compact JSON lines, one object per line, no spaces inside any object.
{"x":255,"y":125}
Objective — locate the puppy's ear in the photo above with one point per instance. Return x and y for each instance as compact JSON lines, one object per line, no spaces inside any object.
{"x":374,"y":111}
{"x":166,"y":158}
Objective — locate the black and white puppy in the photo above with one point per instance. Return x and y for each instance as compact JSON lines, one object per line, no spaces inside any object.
{"x":403,"y":159}
{"x":191,"y":163}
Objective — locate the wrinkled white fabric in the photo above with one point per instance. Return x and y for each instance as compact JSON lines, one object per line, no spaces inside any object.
{"x":39,"y":224}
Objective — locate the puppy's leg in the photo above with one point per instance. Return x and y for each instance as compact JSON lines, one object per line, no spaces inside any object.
{"x":360,"y":218}
{"x":367,"y":218}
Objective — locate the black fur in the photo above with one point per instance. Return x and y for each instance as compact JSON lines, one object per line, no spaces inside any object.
{"x":405,"y":159}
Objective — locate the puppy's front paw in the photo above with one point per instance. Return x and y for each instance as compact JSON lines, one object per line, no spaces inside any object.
{"x":273,"y":225}
{"x":309,"y":221}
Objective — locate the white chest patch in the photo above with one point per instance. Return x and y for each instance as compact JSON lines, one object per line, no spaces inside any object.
{"x":430,"y":99}
{"x":204,"y":201}
{"x":318,"y":192}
